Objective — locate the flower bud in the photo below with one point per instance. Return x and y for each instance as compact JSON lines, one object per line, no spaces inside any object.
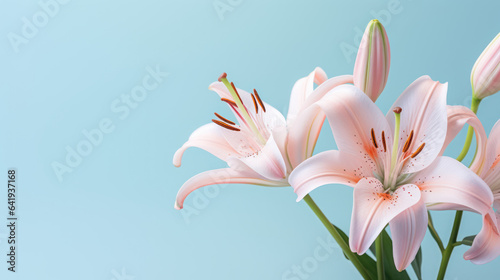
{"x":371,"y":68}
{"x":485,"y":75}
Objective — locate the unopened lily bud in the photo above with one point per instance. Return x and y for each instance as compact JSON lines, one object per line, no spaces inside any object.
{"x":485,"y":75}
{"x":371,"y":68}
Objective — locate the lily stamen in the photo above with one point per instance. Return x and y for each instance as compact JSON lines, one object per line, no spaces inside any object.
{"x":225,"y":125}
{"x":255,"y":104}
{"x":237,"y":94}
{"x":418,"y":150}
{"x":408,"y":142}
{"x":374,"y":141}
{"x":224,"y":119}
{"x":383,"y":141}
{"x":230,"y":102}
{"x":260,"y":100}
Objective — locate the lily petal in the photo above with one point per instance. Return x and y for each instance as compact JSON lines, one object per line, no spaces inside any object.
{"x":209,"y":138}
{"x":301,"y":90}
{"x":303,"y":134}
{"x":408,"y":230}
{"x":280,"y":135}
{"x":458,"y":116}
{"x":449,"y":185}
{"x":330,"y":167}
{"x":268,"y":162}
{"x":486,"y":245}
{"x":273,"y":118}
{"x":373,"y":210}
{"x":491,"y":168}
{"x":326,"y":87}
{"x":220,"y":176}
{"x":423,"y":106}
{"x":304,"y":131}
{"x":352,"y":116}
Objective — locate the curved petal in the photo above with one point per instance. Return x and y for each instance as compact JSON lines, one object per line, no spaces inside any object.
{"x":305,"y":129}
{"x":353,"y":116}
{"x":458,"y":116}
{"x":423,"y":106}
{"x":449,"y":185}
{"x":268,"y":162}
{"x":301,"y":90}
{"x":330,"y":167}
{"x":280,"y":135}
{"x":408,"y":230}
{"x":486,"y":245}
{"x":373,"y":210}
{"x":496,"y":200}
{"x":272,"y":118}
{"x":209,"y":138}
{"x":326,"y":87}
{"x":491,"y":168}
{"x":220,"y":176}
{"x":303,"y":134}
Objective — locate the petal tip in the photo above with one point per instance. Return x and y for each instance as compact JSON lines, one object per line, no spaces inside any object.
{"x":177,"y":206}
{"x":177,"y":160}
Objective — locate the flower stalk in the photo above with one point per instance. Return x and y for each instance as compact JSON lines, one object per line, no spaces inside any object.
{"x":336,"y":235}
{"x":458,"y":216}
{"x":380,"y":257}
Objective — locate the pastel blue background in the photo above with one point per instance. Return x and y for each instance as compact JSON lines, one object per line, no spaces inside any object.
{"x":112,"y":217}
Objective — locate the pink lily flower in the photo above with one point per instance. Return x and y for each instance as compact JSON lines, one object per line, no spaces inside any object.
{"x":486,"y":245}
{"x":261,"y":147}
{"x":394,"y":165}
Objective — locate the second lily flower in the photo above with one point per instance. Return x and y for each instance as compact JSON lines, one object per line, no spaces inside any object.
{"x":263,"y":147}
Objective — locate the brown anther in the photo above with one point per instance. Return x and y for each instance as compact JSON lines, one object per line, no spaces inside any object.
{"x":224,"y":119}
{"x":374,"y":140}
{"x":383,"y":141}
{"x":397,"y":110}
{"x":408,"y":142}
{"x":255,"y":104}
{"x":237,"y":94}
{"x":225,"y":125}
{"x":230,"y":102}
{"x":259,"y":100}
{"x":418,"y":150}
{"x":222,"y":76}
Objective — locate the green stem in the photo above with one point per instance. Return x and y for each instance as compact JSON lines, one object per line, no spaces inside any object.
{"x":470,"y":132}
{"x":451,"y":245}
{"x":380,"y":257}
{"x":458,"y":216}
{"x":434,"y":233}
{"x":336,"y":235}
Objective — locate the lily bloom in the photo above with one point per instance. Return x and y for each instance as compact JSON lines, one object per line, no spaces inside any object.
{"x":486,"y":245}
{"x":260,"y":147}
{"x":394,"y":165}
